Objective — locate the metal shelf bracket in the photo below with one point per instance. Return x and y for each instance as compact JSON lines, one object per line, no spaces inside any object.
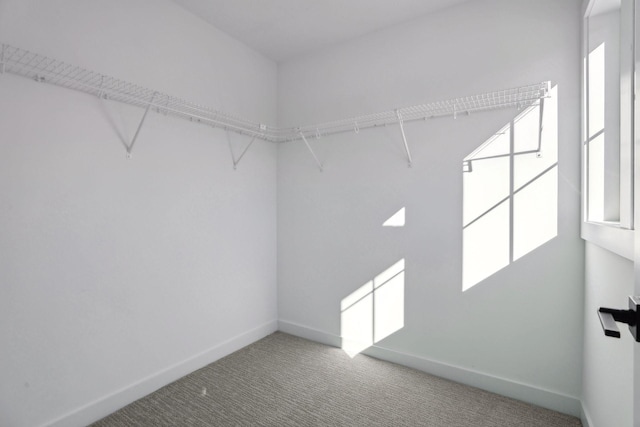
{"x":246,"y":148}
{"x":311,"y":151}
{"x":135,"y":136}
{"x":2,"y":59}
{"x":404,"y":137}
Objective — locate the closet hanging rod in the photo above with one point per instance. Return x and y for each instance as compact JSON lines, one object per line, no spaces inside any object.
{"x":40,"y":68}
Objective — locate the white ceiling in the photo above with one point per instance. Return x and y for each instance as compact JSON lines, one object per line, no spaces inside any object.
{"x":281,"y":29}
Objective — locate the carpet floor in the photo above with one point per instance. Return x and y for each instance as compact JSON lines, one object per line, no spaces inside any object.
{"x":284,"y":380}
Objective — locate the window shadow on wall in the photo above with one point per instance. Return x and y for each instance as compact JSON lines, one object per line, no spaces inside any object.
{"x":510,"y":192}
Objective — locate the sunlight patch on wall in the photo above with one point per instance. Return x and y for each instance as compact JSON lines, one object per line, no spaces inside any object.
{"x":535,"y":214}
{"x":510,"y":197}
{"x":373,"y":311}
{"x":486,"y":246}
{"x":396,"y":220}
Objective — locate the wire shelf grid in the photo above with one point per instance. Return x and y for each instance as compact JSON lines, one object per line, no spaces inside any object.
{"x":520,"y":97}
{"x":40,"y":68}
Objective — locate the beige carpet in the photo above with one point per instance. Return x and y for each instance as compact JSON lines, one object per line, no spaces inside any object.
{"x":283,"y":380}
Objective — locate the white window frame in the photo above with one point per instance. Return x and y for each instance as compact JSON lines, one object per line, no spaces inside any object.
{"x":617,"y":237}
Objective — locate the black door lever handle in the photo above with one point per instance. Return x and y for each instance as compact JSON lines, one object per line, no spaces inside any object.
{"x":609,"y":317}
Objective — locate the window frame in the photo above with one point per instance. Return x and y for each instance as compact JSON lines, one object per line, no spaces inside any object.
{"x":617,"y":237}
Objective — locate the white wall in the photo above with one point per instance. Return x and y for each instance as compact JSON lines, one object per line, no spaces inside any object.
{"x":118,"y":276}
{"x":519,"y":332}
{"x":607,"y":390}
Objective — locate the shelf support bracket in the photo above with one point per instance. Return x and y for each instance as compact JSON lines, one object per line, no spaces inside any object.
{"x":101,"y":93}
{"x":236,"y":161}
{"x":404,"y":137}
{"x":2,"y":60}
{"x":135,"y":136}
{"x":311,"y":151}
{"x":540,"y":128}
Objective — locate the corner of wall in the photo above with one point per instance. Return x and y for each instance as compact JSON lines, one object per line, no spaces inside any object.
{"x":584,"y":416}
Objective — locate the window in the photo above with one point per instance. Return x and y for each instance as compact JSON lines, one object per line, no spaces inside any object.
{"x":608,"y":124}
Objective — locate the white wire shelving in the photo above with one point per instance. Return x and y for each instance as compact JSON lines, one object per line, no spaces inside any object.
{"x":43,"y":69}
{"x":40,"y":68}
{"x":520,"y":97}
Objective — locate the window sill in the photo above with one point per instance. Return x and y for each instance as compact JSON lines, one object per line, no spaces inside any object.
{"x":609,"y":236}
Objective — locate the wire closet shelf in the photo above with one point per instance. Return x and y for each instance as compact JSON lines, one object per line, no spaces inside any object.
{"x":43,"y":69}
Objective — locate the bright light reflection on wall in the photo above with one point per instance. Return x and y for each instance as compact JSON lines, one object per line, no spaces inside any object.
{"x":511,"y":192}
{"x":374,"y":311}
{"x":396,"y":220}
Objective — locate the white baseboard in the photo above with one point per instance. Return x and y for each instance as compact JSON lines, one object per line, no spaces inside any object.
{"x":505,"y":387}
{"x":584,"y":417}
{"x":104,"y":406}
{"x":309,"y":333}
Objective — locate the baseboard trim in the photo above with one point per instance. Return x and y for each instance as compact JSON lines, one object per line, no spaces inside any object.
{"x":104,"y":406}
{"x":584,"y":417}
{"x":541,"y":397}
{"x":309,"y":333}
